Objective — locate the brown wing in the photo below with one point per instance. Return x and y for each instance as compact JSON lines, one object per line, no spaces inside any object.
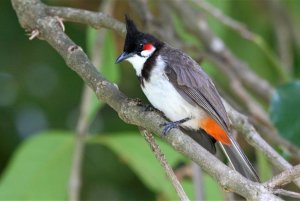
{"x":194,"y":84}
{"x":197,"y":88}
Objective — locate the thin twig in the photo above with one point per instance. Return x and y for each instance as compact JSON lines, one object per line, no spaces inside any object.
{"x":242,"y":125}
{"x":272,"y":136}
{"x":198,"y":181}
{"x":245,"y":33}
{"x":226,"y":20}
{"x":85,"y":118}
{"x":286,"y":193}
{"x":280,"y":20}
{"x":81,"y":133}
{"x":284,"y":177}
{"x":95,"y":19}
{"x":163,"y":162}
{"x":195,"y":22}
{"x":239,"y":90}
{"x":90,"y":18}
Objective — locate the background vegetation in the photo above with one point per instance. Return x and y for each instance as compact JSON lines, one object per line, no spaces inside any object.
{"x":38,"y":116}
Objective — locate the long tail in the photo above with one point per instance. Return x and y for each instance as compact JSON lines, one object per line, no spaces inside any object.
{"x":239,"y":160}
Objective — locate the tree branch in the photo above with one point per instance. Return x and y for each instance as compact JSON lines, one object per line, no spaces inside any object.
{"x":32,"y":16}
{"x":286,"y":193}
{"x":163,"y":162}
{"x":242,"y":125}
{"x":216,"y":47}
{"x":245,"y":33}
{"x":81,"y":133}
{"x":95,"y":19}
{"x":284,"y":178}
{"x":85,"y":118}
{"x":216,"y":13}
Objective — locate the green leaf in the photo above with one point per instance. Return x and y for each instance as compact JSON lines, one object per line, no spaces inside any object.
{"x":135,"y":152}
{"x":41,"y":166}
{"x":265,"y":170}
{"x":284,"y":111}
{"x":39,"y":170}
{"x":106,"y":177}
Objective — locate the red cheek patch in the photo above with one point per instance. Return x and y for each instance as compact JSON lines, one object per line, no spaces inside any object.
{"x":148,"y":46}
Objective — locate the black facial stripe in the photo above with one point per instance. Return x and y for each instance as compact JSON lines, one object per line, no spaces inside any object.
{"x":149,"y":64}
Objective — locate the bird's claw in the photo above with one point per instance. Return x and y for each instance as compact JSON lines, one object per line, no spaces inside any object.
{"x":168,"y":126}
{"x":149,"y":108}
{"x":138,"y":102}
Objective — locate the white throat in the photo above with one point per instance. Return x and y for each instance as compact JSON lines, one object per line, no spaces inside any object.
{"x":139,"y":61}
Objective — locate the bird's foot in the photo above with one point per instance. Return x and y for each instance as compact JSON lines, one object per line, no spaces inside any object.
{"x":138,"y":102}
{"x":168,"y":126}
{"x":149,"y":108}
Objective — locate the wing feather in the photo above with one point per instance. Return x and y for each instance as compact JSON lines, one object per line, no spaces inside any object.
{"x":197,"y":88}
{"x":195,"y":85}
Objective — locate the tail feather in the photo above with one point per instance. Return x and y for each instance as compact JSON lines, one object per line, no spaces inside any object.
{"x":239,"y":161}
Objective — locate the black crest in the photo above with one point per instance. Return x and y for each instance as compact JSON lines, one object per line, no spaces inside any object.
{"x":133,"y":35}
{"x":134,"y":38}
{"x":130,"y":26}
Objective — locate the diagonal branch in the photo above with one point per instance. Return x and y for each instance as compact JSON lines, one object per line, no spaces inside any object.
{"x":245,"y":33}
{"x":285,"y":177}
{"x":32,"y":16}
{"x":95,"y":19}
{"x":241,"y":124}
{"x":163,"y":162}
{"x":216,"y":47}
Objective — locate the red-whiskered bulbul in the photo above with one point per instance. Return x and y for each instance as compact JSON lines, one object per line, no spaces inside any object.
{"x":177,"y":86}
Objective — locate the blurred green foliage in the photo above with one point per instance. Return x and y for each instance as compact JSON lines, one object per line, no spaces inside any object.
{"x":40,"y":95}
{"x":41,"y":168}
{"x":285,"y":109}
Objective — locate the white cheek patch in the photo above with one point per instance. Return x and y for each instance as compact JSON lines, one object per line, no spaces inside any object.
{"x":137,"y":63}
{"x":147,"y":53}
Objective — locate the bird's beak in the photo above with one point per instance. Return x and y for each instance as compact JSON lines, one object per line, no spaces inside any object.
{"x":123,"y":56}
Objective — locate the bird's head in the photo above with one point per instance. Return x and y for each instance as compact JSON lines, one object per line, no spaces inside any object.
{"x":138,"y":46}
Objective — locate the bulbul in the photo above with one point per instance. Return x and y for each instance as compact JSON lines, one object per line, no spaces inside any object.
{"x":177,"y":86}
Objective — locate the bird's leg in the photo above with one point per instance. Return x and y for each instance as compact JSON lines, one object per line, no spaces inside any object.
{"x":173,"y":124}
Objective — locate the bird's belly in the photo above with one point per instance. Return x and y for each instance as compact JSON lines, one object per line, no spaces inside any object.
{"x":163,"y":96}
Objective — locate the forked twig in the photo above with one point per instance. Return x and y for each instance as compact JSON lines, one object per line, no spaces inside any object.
{"x":163,"y":162}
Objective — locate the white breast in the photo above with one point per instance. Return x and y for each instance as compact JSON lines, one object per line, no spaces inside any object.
{"x":163,"y":96}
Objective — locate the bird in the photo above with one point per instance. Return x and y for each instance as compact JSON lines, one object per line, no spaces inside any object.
{"x":178,"y":87}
